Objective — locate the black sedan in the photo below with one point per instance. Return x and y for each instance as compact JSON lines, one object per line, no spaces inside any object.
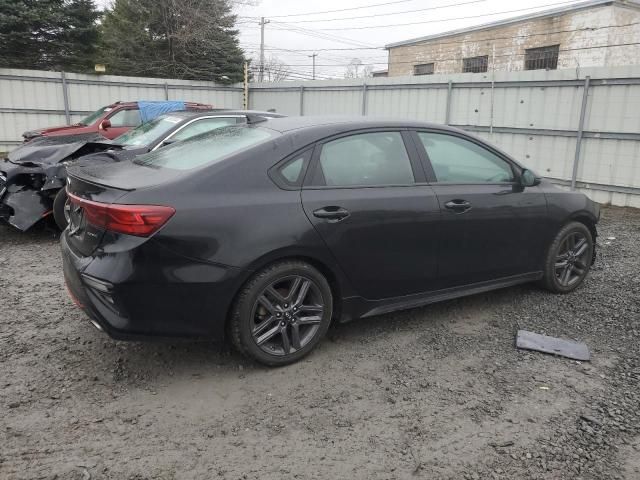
{"x":32,"y":177}
{"x":267,"y":231}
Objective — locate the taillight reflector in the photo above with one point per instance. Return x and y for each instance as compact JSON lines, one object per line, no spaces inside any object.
{"x":139,"y":220}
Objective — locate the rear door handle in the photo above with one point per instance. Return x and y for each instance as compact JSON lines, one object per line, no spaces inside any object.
{"x":458,"y":206}
{"x":331,"y":213}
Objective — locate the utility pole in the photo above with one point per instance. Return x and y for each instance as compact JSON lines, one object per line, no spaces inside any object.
{"x":246,"y":86}
{"x":314,"y":64}
{"x":263,"y":22}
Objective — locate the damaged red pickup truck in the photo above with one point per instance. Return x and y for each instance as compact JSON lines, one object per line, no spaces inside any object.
{"x":110,"y":121}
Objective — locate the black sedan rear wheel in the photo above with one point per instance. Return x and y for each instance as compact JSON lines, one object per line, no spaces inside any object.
{"x":569,"y":258}
{"x":282,"y":313}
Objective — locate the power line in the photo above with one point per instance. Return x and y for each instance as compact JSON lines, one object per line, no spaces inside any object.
{"x":453,"y":42}
{"x":447,"y":19}
{"x":341,"y":9}
{"x":388,"y":14}
{"x":317,"y":34}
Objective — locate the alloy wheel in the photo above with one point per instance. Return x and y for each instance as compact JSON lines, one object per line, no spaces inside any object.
{"x":287,"y":315}
{"x":571,"y":261}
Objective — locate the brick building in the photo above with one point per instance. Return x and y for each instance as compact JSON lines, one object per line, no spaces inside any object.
{"x":586,"y":34}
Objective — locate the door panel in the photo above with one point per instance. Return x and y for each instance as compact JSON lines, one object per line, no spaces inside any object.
{"x":502,"y":233}
{"x":387,"y":245}
{"x":491,"y":226}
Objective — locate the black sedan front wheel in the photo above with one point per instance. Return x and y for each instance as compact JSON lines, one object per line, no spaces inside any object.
{"x":569,"y":258}
{"x":282,"y":313}
{"x":61,"y":209}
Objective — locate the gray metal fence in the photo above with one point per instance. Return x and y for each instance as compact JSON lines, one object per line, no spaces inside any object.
{"x":578,"y":128}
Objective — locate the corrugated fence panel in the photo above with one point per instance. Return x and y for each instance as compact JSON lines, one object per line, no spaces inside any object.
{"x":614,"y":108}
{"x":428,"y":104}
{"x":286,"y":102}
{"x":339,"y":102}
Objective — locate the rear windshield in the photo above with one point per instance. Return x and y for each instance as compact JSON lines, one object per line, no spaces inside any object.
{"x":148,"y":132}
{"x":210,"y":147}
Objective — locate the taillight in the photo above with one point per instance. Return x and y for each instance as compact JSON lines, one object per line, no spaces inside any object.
{"x":139,"y":220}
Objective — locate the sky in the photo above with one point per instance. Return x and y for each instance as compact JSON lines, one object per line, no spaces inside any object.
{"x":359,"y":29}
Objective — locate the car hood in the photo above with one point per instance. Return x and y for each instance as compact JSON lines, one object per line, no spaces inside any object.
{"x":43,"y":151}
{"x":48,"y":130}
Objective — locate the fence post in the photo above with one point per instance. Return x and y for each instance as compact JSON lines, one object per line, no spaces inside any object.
{"x":65,"y":97}
{"x":166,"y":91}
{"x":447,"y":112}
{"x":583,"y":110}
{"x":301,"y":100}
{"x":364,"y":98}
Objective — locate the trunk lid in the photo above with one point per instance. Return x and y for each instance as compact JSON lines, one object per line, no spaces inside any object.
{"x":82,"y":236}
{"x":105,"y":183}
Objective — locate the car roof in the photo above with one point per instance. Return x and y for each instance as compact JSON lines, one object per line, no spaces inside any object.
{"x":288,"y":124}
{"x":220,"y":112}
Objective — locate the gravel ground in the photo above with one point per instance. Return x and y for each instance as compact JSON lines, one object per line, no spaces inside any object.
{"x":435,"y":392}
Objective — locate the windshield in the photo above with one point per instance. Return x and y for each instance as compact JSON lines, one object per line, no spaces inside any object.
{"x":208,"y":148}
{"x":148,"y":132}
{"x":89,"y":120}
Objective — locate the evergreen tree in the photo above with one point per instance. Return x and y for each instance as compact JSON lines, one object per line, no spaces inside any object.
{"x":191,"y":39}
{"x":48,"y":34}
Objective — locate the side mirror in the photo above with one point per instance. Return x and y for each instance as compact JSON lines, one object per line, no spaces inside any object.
{"x":528,"y":178}
{"x":105,"y":124}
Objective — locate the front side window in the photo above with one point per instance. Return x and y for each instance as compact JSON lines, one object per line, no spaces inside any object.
{"x":126,"y":118}
{"x":475,"y":64}
{"x":541,"y":58}
{"x":208,"y":148}
{"x":378,"y":158}
{"x":203,"y":126}
{"x":457,"y":160}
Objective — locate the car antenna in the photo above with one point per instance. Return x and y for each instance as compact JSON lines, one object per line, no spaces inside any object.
{"x":252,"y":118}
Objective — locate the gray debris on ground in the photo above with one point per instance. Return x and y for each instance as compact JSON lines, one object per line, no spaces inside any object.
{"x":555,"y":346}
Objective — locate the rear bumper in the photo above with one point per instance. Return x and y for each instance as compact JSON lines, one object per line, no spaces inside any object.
{"x":181,"y":298}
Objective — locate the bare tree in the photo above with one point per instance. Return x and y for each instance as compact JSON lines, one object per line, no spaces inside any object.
{"x":275,"y":70}
{"x":357,"y":69}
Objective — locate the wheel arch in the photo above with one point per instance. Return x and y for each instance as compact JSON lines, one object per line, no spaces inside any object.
{"x":335,"y":278}
{"x":587,"y":219}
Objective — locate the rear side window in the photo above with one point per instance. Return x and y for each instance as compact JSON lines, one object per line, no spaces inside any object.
{"x":366,"y":159}
{"x":126,"y":118}
{"x":290,"y":172}
{"x":455,"y":159}
{"x":206,"y":149}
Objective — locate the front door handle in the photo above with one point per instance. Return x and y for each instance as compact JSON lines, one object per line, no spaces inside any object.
{"x":458,"y":206}
{"x":331,"y":213}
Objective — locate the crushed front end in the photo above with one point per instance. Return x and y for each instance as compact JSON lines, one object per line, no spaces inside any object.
{"x":27,"y":192}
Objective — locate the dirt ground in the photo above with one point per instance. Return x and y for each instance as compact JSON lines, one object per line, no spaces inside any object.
{"x":435,"y":392}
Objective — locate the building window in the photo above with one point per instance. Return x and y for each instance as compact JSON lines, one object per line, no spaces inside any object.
{"x":475,"y":64}
{"x":424,"y":69}
{"x":541,"y":58}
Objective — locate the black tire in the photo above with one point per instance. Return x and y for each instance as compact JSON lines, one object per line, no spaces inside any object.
{"x":569,"y":258}
{"x":58,"y":209}
{"x":253,"y":316}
